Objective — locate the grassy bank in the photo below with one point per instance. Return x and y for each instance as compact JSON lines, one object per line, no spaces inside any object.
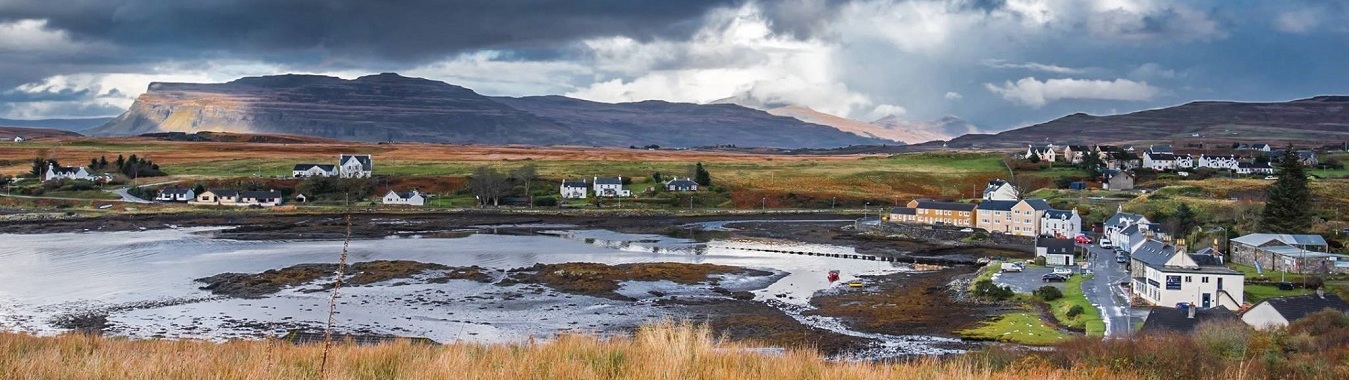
{"x":664,"y":351}
{"x":1023,"y":327}
{"x":1089,"y":319}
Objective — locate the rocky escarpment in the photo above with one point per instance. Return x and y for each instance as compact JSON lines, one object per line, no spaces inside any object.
{"x":390,"y":107}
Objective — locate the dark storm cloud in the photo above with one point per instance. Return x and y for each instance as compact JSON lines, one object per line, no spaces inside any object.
{"x":354,"y":30}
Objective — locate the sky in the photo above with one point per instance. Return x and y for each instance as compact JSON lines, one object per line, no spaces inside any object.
{"x":997,"y":63}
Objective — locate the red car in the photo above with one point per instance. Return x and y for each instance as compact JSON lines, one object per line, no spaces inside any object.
{"x":1083,"y":239}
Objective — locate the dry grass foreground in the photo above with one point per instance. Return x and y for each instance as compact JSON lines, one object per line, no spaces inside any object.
{"x":662,"y":351}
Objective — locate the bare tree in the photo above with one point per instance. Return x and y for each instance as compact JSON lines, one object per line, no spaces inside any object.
{"x":488,"y":185}
{"x":525,"y":175}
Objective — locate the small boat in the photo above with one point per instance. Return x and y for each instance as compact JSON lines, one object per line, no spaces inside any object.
{"x":855,"y":284}
{"x":833,"y":275}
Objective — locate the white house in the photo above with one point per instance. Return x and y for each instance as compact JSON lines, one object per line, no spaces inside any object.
{"x":1075,"y":153}
{"x":1056,"y":251}
{"x":1159,"y":161}
{"x":1061,"y":223}
{"x":18,"y":139}
{"x":412,"y":198}
{"x":260,"y":198}
{"x":574,"y":189}
{"x":1115,"y":226}
{"x":1184,"y":162}
{"x":1263,"y":147}
{"x":1217,"y":162}
{"x":681,"y":185}
{"x":355,"y":166}
{"x":610,"y":187}
{"x":176,"y":194}
{"x":1164,"y":275}
{"x":1254,"y":168}
{"x":1280,"y":311}
{"x":314,"y":170}
{"x":1046,"y":152}
{"x":68,"y":172}
{"x":999,"y":190}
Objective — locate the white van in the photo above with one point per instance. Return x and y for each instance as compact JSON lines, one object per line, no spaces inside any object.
{"x":1011,"y":267}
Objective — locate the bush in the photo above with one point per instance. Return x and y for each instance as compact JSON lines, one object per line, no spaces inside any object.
{"x":986,"y":289}
{"x":1039,"y":260}
{"x":1048,"y":293}
{"x":1224,"y":339}
{"x":1075,"y":311}
{"x":545,"y":202}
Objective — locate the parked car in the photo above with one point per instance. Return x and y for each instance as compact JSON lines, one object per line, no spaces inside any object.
{"x":1063,"y":271}
{"x":1121,"y":258}
{"x":1054,"y":277}
{"x":966,"y":230}
{"x":1011,"y":267}
{"x":1105,"y":243}
{"x":1082,"y":239}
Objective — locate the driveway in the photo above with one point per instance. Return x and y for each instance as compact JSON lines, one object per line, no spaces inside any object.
{"x":1104,"y":292}
{"x":127,"y":197}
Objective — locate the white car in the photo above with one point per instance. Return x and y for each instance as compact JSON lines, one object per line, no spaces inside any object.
{"x":1105,"y":243}
{"x":1063,"y":271}
{"x":967,"y":230}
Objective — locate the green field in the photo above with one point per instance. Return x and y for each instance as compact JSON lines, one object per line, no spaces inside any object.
{"x":1090,"y":319}
{"x":1024,"y":327}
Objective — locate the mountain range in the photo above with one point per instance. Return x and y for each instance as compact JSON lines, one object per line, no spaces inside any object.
{"x":390,"y":107}
{"x":1316,"y":119}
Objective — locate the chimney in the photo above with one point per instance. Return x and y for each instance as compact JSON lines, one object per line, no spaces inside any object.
{"x":1191,"y":310}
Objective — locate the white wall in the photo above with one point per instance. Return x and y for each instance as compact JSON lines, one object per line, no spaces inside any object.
{"x":1263,"y":316}
{"x":1193,"y":290}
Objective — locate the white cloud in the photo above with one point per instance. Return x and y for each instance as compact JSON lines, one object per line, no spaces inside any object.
{"x":1033,"y":66}
{"x":886,"y":110}
{"x":1152,"y":70}
{"x":736,"y":54}
{"x":495,"y":73}
{"x":1150,"y":21}
{"x":31,"y":36}
{"x":1035,"y":93}
{"x":1298,"y":21}
{"x":952,"y":95}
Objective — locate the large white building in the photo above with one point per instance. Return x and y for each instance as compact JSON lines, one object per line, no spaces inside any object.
{"x":69,"y":172}
{"x":1217,"y":162}
{"x":610,"y":187}
{"x":313,"y":170}
{"x":574,"y":189}
{"x":1061,"y":223}
{"x":1000,"y":190}
{"x":1114,"y":228}
{"x":1165,"y":275}
{"x":355,"y":166}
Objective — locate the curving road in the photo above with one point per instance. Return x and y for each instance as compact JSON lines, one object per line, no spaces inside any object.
{"x":1110,"y":299}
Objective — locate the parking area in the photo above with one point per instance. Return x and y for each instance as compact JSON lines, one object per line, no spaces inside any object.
{"x":1025,"y":281}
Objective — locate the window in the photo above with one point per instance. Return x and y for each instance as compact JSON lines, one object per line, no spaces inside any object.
{"x":1188,"y":279}
{"x":1203,"y":279}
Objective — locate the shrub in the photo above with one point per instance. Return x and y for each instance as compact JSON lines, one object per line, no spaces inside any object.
{"x":1075,"y":311}
{"x":986,"y":289}
{"x":1039,"y":260}
{"x":545,"y":202}
{"x":1048,"y":293}
{"x":1224,"y":339}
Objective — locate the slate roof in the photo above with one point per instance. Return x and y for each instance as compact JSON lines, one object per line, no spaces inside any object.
{"x":681,"y":183}
{"x":1205,"y":259}
{"x":1253,"y":165}
{"x":325,"y":167}
{"x":1295,"y":252}
{"x":1153,"y":253}
{"x":1167,"y":319}
{"x":364,"y":159}
{"x":566,"y":183}
{"x":1261,"y":146}
{"x":1164,"y":149}
{"x":1108,"y":148}
{"x":997,"y":205}
{"x":1162,"y":156}
{"x":67,"y":170}
{"x":608,"y":180}
{"x":1290,"y":239}
{"x":1295,"y":307}
{"x":953,"y":206}
{"x":175,"y":191}
{"x":1038,"y":204}
{"x":1078,"y":148}
{"x":1058,"y":214}
{"x":1056,"y":246}
{"x":227,"y":193}
{"x":903,"y":211}
{"x":1120,"y":217}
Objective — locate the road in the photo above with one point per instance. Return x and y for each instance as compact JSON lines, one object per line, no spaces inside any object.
{"x":127,"y":197}
{"x":1103,"y":290}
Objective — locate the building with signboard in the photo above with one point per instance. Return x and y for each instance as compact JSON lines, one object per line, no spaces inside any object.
{"x":1165,"y":275}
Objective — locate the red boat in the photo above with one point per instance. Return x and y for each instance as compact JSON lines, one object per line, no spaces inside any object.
{"x":833,"y":275}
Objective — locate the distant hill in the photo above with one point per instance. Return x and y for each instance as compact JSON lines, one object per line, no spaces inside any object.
{"x":1322,"y":118}
{"x":892,"y":128}
{"x":7,"y":134}
{"x":390,"y":107}
{"x":63,"y":124}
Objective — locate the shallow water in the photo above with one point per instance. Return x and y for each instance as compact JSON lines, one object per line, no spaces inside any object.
{"x":146,"y":280}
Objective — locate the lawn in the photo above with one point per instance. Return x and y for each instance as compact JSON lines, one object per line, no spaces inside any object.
{"x":1256,"y":293}
{"x":81,"y":194}
{"x":1090,"y":319}
{"x":1024,"y":327}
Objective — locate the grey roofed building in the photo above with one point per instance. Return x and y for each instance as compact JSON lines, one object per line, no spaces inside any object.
{"x":269,"y":194}
{"x":175,"y":191}
{"x":937,"y":205}
{"x":1162,"y":156}
{"x":1056,"y":246}
{"x":575,"y":184}
{"x":608,"y":180}
{"x":1161,"y":149}
{"x":1295,"y":307}
{"x":1174,"y":320}
{"x":325,"y":167}
{"x":1058,"y":214}
{"x":1262,"y":239}
{"x":997,"y":205}
{"x":227,"y":193}
{"x":364,"y":159}
{"x":903,"y":211}
{"x":1121,"y":218}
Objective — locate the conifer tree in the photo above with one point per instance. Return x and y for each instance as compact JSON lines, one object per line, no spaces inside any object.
{"x":1288,"y":207}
